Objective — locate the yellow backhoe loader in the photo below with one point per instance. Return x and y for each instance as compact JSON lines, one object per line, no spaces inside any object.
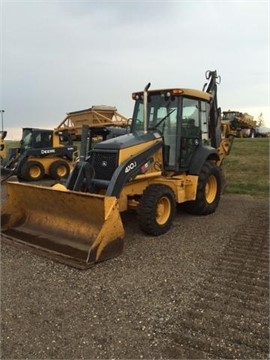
{"x":173,"y":155}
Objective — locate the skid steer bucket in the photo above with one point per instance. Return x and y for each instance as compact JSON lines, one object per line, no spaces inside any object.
{"x":76,"y":228}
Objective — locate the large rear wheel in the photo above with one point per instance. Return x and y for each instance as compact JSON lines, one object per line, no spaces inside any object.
{"x":156,"y":209}
{"x":208,"y":191}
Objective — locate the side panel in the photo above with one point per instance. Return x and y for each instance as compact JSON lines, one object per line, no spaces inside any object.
{"x":133,"y":166}
{"x":183,"y":186}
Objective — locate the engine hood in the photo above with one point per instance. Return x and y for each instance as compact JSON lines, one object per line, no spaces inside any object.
{"x":127,"y":140}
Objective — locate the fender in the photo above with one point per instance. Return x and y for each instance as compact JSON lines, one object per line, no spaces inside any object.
{"x":202,"y":154}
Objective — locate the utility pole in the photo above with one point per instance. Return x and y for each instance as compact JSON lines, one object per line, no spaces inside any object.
{"x":2,"y":119}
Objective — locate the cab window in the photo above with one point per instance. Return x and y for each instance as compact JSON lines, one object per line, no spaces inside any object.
{"x":190,"y":118}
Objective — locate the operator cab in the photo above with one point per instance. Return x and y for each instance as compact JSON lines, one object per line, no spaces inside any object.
{"x":36,"y":138}
{"x":181,"y":116}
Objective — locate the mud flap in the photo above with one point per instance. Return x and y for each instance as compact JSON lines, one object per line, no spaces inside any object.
{"x":76,"y":228}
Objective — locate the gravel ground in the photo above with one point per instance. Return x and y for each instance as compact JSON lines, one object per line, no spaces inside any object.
{"x":185,"y":295}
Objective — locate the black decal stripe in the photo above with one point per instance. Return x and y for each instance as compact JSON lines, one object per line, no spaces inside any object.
{"x":120,"y":177}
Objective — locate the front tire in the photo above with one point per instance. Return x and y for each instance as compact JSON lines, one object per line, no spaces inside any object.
{"x":208,"y":191}
{"x":32,"y":171}
{"x":156,"y":209}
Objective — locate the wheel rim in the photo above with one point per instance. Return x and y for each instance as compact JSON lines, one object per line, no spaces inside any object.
{"x":61,"y":171}
{"x":211,"y":189}
{"x":34,"y":172}
{"x":163,"y":210}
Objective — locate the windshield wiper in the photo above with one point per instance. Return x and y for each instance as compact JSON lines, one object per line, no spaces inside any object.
{"x":161,"y":121}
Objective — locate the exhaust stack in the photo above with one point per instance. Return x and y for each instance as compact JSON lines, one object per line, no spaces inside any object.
{"x":145,"y":101}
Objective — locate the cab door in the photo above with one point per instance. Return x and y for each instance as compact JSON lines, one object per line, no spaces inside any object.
{"x":194,"y":128}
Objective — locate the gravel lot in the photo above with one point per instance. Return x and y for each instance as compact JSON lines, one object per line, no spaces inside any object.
{"x":189,"y":294}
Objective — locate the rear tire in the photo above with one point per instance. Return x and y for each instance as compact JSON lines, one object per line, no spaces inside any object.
{"x":156,"y":209}
{"x":59,"y":169}
{"x":32,"y":171}
{"x":208,"y":191}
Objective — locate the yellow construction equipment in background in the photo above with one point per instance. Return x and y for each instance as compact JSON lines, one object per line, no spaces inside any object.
{"x":239,"y":124}
{"x":42,"y":152}
{"x":51,"y":153}
{"x":98,"y":116}
{"x":3,"y":151}
{"x":173,"y":155}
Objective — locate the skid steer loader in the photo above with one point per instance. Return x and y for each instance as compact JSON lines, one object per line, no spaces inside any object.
{"x":173,"y":155}
{"x":51,"y":153}
{"x":42,"y":152}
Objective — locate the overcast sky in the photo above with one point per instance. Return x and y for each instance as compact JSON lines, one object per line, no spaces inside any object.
{"x":62,"y":56}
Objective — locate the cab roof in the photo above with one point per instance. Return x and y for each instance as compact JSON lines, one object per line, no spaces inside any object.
{"x":178,"y":91}
{"x":36,"y":129}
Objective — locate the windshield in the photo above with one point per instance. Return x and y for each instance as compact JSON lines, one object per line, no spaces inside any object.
{"x":26,"y":141}
{"x":161,"y":113}
{"x":230,"y":115}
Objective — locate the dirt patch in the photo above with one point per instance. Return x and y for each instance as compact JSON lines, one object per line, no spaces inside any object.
{"x":198,"y":292}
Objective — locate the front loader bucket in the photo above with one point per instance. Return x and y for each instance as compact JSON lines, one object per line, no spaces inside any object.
{"x":76,"y":228}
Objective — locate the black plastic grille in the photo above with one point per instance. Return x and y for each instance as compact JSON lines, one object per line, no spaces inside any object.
{"x":105,"y":164}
